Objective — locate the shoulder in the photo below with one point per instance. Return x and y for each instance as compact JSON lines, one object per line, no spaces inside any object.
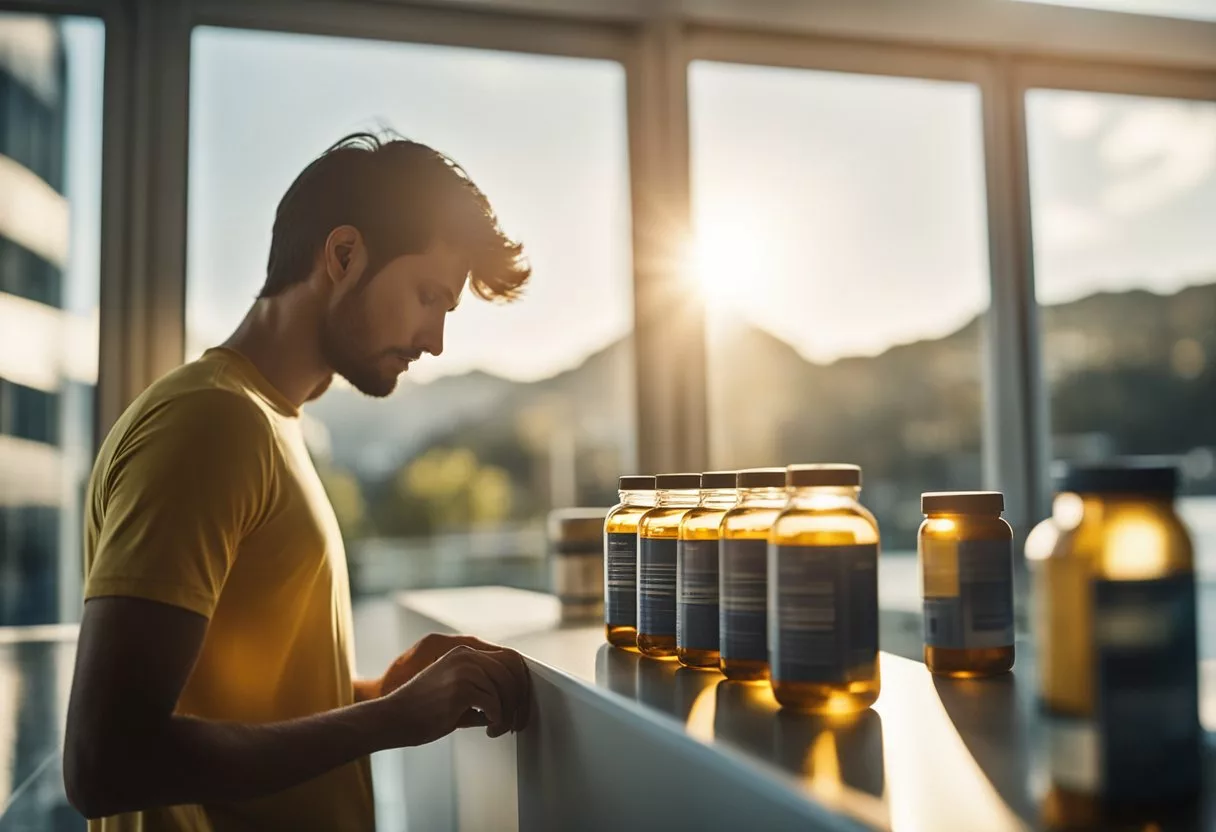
{"x":199,"y":418}
{"x":209,"y":410}
{"x":195,"y":429}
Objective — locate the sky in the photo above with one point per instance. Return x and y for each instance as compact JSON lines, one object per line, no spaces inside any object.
{"x":1123,"y":192}
{"x":852,"y":207}
{"x":848,"y":210}
{"x":543,"y":137}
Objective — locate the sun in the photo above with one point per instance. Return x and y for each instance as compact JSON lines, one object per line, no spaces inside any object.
{"x":724,"y":262}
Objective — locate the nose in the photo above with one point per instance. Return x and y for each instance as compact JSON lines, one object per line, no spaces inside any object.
{"x":432,"y":341}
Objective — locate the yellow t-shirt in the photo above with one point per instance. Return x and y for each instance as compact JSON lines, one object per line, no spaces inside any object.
{"x":204,"y":497}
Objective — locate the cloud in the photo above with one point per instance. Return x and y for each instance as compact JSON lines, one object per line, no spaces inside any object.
{"x":1158,"y":151}
{"x":1075,"y":116}
{"x":1063,"y":225}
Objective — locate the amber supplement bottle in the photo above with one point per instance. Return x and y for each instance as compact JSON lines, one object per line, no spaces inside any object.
{"x":697,"y":572}
{"x":1115,"y":623}
{"x":743,"y":574}
{"x":621,"y":560}
{"x":823,"y":593}
{"x":658,"y":531}
{"x":966,"y":567}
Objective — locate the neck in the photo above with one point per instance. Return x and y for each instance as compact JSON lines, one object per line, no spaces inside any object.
{"x":279,"y":336}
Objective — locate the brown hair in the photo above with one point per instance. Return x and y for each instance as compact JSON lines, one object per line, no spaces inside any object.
{"x":401,"y":195}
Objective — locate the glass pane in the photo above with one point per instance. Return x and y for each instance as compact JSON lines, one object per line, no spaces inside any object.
{"x":842,"y":249}
{"x":530,"y":406}
{"x":50,"y":188}
{"x":1123,"y":192}
{"x":1194,"y":9}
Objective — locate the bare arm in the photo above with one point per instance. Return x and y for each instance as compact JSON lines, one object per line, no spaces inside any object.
{"x":126,"y":750}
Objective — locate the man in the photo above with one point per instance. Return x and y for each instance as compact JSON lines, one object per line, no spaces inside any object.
{"x":213,"y":686}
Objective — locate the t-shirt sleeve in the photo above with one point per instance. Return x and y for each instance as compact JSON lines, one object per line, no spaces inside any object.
{"x":188,"y":482}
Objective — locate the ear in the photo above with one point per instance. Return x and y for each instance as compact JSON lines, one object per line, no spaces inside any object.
{"x":345,"y":255}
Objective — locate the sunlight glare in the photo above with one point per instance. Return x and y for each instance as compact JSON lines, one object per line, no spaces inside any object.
{"x":1137,"y":548}
{"x":701,"y":716}
{"x":725,"y":261}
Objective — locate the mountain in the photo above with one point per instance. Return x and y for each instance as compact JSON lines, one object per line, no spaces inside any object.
{"x":1137,"y":371}
{"x":1135,"y":328}
{"x":372,"y":436}
{"x":1137,"y":368}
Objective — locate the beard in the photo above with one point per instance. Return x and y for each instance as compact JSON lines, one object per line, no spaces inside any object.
{"x":344,"y":350}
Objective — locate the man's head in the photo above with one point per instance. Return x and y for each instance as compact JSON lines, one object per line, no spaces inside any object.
{"x":389,"y":230}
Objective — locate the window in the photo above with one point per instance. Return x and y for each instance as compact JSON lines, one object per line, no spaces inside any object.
{"x":842,"y":250}
{"x":530,"y":406}
{"x":1123,"y":193}
{"x":1193,"y":9}
{"x":50,"y":185}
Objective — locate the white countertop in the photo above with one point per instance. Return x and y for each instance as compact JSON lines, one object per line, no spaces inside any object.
{"x":931,"y":754}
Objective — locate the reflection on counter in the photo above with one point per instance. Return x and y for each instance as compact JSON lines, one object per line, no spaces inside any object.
{"x":831,"y":752}
{"x":617,"y":670}
{"x":674,"y":690}
{"x":837,"y":759}
{"x":946,"y":750}
{"x":933,"y":753}
{"x":744,"y":715}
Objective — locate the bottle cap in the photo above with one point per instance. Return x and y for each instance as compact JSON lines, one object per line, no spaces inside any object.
{"x":761,"y":478}
{"x":635,"y":482}
{"x":677,"y":482}
{"x":719,"y":479}
{"x":962,"y":502}
{"x":1144,"y":475}
{"x":803,"y":476}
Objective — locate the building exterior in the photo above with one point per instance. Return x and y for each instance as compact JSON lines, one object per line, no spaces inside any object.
{"x":43,"y":437}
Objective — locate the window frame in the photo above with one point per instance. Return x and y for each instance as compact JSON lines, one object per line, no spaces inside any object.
{"x":458,"y":28}
{"x":1007,"y":367}
{"x":1077,"y":76}
{"x":1004,"y":47}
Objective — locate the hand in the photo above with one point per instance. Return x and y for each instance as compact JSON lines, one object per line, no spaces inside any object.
{"x":465,"y":687}
{"x":419,"y":657}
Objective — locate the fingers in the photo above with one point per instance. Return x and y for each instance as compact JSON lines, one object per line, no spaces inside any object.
{"x":472,"y":718}
{"x":441,"y":643}
{"x":521,"y":682}
{"x":503,"y":674}
{"x":480,"y":692}
{"x":520,"y":692}
{"x":504,"y":685}
{"x":494,"y":681}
